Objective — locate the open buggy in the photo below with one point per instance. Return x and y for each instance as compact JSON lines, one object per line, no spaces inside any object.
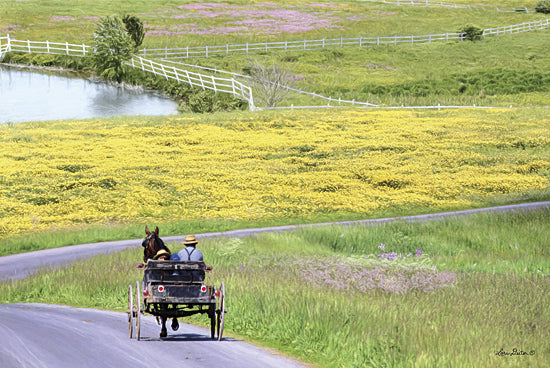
{"x":174,"y":289}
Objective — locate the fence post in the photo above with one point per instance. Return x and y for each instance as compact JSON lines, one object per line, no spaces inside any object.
{"x":83,"y":50}
{"x":227,"y":49}
{"x":187,"y":52}
{"x":360,"y":41}
{"x":67,"y":47}
{"x":206,"y":50}
{"x":47,"y":46}
{"x":202,"y":82}
{"x":304,"y":45}
{"x":214,"y":84}
{"x":247,"y":48}
{"x":29,"y":46}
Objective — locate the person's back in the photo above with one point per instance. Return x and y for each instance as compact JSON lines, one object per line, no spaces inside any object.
{"x":190,"y":252}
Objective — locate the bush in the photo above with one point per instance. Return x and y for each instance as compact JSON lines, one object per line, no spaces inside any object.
{"x":471,"y":33}
{"x":208,"y":101}
{"x":543,"y":7}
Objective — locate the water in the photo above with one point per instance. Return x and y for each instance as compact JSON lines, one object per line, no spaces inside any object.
{"x":37,"y":96}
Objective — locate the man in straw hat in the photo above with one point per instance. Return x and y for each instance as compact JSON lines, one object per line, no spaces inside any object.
{"x":190,"y":252}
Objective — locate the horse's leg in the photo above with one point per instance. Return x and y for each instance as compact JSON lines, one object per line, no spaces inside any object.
{"x":163,"y":331}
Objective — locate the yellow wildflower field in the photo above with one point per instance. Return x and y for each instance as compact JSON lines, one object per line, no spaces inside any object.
{"x":265,"y":165}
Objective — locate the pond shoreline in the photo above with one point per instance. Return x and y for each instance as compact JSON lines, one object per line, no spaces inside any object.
{"x":40,"y":93}
{"x":84,"y":74}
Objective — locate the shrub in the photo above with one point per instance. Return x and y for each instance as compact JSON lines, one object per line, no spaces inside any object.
{"x":543,"y":6}
{"x":471,"y":33}
{"x":208,"y":101}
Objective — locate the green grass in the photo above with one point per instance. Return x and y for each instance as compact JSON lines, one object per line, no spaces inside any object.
{"x":497,"y":71}
{"x":500,"y":303}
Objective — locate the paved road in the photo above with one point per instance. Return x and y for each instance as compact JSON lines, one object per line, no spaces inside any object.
{"x":53,"y":336}
{"x":21,"y":265}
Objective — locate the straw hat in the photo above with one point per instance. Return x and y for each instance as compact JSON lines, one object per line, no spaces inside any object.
{"x":190,"y":240}
{"x":161,"y":253}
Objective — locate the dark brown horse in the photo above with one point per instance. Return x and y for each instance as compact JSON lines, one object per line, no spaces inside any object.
{"x":152,"y":244}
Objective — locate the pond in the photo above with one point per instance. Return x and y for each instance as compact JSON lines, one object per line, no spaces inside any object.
{"x":34,"y":95}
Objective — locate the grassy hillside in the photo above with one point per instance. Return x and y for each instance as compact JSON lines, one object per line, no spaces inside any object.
{"x":497,"y":71}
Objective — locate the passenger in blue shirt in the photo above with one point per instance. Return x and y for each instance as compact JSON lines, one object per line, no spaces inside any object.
{"x":190,"y":252}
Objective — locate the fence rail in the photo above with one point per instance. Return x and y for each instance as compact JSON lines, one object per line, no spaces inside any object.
{"x":517,"y":28}
{"x":306,"y":45}
{"x":47,"y":47}
{"x":303,"y":45}
{"x":210,"y":82}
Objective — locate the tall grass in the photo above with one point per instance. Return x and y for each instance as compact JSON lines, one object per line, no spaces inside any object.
{"x":484,"y":311}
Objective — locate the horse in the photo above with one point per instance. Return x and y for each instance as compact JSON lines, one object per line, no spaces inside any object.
{"x":152,"y":244}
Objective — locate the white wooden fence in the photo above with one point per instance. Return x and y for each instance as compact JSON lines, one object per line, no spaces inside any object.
{"x":305,"y":45}
{"x":517,"y":28}
{"x":216,"y":84}
{"x":47,"y":47}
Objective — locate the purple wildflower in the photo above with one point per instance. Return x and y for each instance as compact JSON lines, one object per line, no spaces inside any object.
{"x":419,"y":252}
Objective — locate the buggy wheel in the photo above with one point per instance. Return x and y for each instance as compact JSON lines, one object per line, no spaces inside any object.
{"x":221,"y":311}
{"x":130,"y":311}
{"x":138,"y":311}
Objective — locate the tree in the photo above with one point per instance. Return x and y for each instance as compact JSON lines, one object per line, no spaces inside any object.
{"x":472,"y":33}
{"x":269,"y":82}
{"x":134,"y":26}
{"x":113,"y":46}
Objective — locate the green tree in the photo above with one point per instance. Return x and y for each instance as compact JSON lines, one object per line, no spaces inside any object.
{"x":543,"y":7}
{"x":113,"y":46}
{"x":134,"y":26}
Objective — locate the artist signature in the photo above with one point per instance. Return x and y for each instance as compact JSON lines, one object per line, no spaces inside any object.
{"x":515,"y":352}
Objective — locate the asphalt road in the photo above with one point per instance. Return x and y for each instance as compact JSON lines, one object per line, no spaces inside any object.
{"x":51,"y":336}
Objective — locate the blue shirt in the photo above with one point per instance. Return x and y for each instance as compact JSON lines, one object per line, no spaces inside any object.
{"x":189,"y":253}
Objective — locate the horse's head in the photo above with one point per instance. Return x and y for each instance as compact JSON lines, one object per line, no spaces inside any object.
{"x":152,"y":244}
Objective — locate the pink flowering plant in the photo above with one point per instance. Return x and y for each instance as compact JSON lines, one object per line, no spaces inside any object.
{"x":389,"y":272}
